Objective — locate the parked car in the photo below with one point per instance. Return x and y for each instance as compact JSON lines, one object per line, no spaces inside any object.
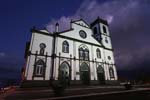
{"x":127,"y":85}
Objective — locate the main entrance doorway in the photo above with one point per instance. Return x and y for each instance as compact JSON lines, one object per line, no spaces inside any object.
{"x":101,"y":74}
{"x":85,"y":73}
{"x":64,"y":73}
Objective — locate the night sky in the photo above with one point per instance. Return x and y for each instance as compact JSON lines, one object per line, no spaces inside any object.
{"x":129,"y":23}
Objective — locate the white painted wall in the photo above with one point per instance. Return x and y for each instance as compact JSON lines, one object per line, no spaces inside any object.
{"x":75,"y":34}
{"x":37,"y":38}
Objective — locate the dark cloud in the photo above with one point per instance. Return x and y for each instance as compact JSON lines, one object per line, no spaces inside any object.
{"x":129,"y":26}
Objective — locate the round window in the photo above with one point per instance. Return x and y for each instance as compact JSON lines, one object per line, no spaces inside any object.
{"x":82,"y":34}
{"x":42,"y":45}
{"x":109,"y":57}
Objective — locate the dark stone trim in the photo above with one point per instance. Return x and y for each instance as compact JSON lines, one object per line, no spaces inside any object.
{"x":79,"y":83}
{"x":71,"y":60}
{"x":40,"y":55}
{"x":84,"y":60}
{"x":45,"y":65}
{"x":65,"y":37}
{"x":27,"y":50}
{"x":32,"y":39}
{"x":108,"y":49}
{"x":43,"y":74}
{"x":35,"y":83}
{"x":112,"y":82}
{"x":59,"y":58}
{"x":53,"y":57}
{"x":34,"y":65}
{"x":95,"y":82}
{"x":50,"y":34}
{"x":74,"y":58}
{"x":100,"y":30}
{"x":75,"y":82}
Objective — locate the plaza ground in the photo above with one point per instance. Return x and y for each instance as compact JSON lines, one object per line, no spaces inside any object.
{"x":79,"y":93}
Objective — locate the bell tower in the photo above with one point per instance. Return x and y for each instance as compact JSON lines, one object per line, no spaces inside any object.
{"x":101,"y":32}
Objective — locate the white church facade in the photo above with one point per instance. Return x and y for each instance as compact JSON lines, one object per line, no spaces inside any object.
{"x":83,"y":55}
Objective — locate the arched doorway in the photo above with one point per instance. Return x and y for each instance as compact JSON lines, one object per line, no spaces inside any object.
{"x":85,"y":73}
{"x":64,"y":73}
{"x":101,"y":74}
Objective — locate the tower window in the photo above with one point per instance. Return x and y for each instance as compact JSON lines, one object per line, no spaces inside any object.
{"x":104,"y":29}
{"x":106,"y":40}
{"x":98,"y":52}
{"x":95,"y":30}
{"x":65,"y":47}
{"x":42,"y":48}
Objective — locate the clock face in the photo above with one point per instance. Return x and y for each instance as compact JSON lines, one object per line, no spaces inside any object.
{"x":82,"y":34}
{"x":42,"y":45}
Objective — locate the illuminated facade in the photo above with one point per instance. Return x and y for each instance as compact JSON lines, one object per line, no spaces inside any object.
{"x":82,"y":55}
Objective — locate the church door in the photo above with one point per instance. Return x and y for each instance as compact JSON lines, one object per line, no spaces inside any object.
{"x":101,"y":74}
{"x":85,"y":73}
{"x":64,"y":73}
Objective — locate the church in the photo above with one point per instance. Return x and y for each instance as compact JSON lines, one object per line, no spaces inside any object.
{"x":82,"y":54}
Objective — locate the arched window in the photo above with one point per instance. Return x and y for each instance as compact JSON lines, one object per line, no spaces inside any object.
{"x":104,"y":29}
{"x":98,"y":52}
{"x":111,"y":72}
{"x":39,"y":68}
{"x":81,"y":53}
{"x":95,"y":30}
{"x":42,"y":48}
{"x":84,"y":53}
{"x":65,"y":47}
{"x":106,"y":40}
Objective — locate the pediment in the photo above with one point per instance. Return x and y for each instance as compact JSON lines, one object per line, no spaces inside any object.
{"x":81,"y":22}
